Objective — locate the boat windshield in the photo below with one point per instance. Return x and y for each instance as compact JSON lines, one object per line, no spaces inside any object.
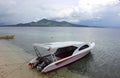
{"x":65,"y":51}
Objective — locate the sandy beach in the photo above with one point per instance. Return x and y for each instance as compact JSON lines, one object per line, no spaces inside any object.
{"x":13,"y":64}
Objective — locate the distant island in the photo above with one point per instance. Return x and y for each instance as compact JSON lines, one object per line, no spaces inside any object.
{"x":49,"y":23}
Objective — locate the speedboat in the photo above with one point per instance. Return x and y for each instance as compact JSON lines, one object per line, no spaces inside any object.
{"x":51,"y":56}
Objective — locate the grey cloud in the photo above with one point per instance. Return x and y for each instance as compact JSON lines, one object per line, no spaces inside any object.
{"x":21,"y":11}
{"x":16,"y":11}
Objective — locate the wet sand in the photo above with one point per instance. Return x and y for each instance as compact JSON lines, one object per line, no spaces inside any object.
{"x":13,"y":64}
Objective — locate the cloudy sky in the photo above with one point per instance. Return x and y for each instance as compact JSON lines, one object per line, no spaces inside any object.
{"x":87,"y":12}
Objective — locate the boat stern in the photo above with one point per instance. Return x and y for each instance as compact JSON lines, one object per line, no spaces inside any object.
{"x":33,"y":62}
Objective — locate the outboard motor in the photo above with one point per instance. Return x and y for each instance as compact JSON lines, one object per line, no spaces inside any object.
{"x":41,"y":66}
{"x":44,"y":63}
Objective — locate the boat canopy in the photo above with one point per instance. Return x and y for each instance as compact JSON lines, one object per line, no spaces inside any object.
{"x":58,"y":44}
{"x":51,"y":47}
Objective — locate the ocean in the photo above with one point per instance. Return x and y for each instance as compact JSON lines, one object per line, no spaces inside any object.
{"x":102,"y":62}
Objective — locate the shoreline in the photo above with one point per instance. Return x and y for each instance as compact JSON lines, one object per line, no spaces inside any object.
{"x":14,"y":60}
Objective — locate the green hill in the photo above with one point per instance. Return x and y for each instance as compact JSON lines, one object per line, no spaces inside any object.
{"x":48,"y":23}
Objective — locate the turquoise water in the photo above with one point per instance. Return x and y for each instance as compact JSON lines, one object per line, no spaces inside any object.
{"x":102,"y":62}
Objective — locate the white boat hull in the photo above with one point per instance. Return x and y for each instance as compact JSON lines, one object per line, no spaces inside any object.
{"x":77,"y":54}
{"x":64,"y":62}
{"x":68,"y":60}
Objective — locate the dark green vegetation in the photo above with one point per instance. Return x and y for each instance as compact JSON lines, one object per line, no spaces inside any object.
{"x":49,"y":23}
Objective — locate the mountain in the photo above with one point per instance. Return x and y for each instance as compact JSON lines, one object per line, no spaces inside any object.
{"x":48,"y":23}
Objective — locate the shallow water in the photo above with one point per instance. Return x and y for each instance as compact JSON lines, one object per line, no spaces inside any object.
{"x":102,"y":62}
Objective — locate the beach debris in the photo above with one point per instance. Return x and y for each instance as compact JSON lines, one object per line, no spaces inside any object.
{"x":7,"y":37}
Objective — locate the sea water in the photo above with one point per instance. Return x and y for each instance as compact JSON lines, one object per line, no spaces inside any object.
{"x":102,"y":62}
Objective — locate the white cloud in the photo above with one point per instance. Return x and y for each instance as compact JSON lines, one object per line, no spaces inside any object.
{"x":87,"y":9}
{"x":16,"y":11}
{"x":118,"y":14}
